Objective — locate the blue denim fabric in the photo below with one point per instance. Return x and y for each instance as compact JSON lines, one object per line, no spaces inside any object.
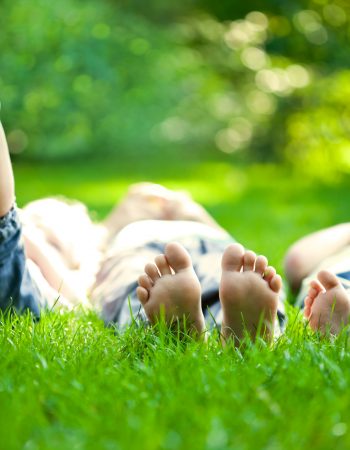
{"x":17,"y":289}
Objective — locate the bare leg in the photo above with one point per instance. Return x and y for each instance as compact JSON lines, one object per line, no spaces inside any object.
{"x":306,"y":254}
{"x":52,"y":268}
{"x":71,"y":284}
{"x":7,"y":184}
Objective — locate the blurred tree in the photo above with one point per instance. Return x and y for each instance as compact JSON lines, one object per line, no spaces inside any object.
{"x":262,"y":81}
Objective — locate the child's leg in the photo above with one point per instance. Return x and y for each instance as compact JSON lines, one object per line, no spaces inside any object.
{"x":7,"y":185}
{"x":16,"y":286}
{"x":71,"y":285}
{"x":306,"y":254}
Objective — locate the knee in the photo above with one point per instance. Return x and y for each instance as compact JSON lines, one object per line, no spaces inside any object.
{"x":294,"y":268}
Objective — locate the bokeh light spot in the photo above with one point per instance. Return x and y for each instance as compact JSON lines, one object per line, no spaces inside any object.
{"x":298,"y":76}
{"x":101,"y":31}
{"x":309,"y":23}
{"x":273,"y":80}
{"x":244,"y":32}
{"x":17,"y":141}
{"x":261,"y":103}
{"x":223,"y":106}
{"x":82,"y":83}
{"x":139,"y":46}
{"x":254,"y":58}
{"x":258,"y":19}
{"x":173,"y":129}
{"x":63,"y":63}
{"x":234,"y":138}
{"x":334,"y":15}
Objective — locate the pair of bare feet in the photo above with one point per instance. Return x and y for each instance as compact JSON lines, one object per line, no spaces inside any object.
{"x":248,"y":291}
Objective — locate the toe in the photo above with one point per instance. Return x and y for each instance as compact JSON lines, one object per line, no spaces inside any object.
{"x":178,"y":257}
{"x":308,"y":301}
{"x":312,"y":293}
{"x":307,"y":307}
{"x":145,"y":282}
{"x":249,"y":261}
{"x":232,"y":258}
{"x":315,"y":284}
{"x":328,"y":279}
{"x":142,"y":294}
{"x":261,"y":264}
{"x":152,"y":271}
{"x":276,"y":283}
{"x":270,"y":272}
{"x":162,"y":264}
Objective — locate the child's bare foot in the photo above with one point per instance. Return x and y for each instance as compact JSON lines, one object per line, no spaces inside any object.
{"x":248,"y":293}
{"x":171,"y":285}
{"x":327,"y":305}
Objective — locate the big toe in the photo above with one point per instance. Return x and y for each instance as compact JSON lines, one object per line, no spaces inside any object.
{"x":328,"y":279}
{"x":232,"y":259}
{"x":177,"y":257}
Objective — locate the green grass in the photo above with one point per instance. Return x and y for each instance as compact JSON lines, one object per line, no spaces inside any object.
{"x":68,"y":382}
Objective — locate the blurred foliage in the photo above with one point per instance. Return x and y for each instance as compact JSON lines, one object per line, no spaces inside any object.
{"x":254,"y":80}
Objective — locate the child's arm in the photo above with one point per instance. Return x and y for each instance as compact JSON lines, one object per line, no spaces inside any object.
{"x":7,"y":184}
{"x":71,"y":284}
{"x":306,"y":254}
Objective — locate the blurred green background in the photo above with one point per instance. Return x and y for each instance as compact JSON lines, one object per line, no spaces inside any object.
{"x":252,"y":80}
{"x":245,"y":104}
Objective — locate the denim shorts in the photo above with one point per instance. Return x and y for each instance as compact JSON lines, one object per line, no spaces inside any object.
{"x":18,"y":290}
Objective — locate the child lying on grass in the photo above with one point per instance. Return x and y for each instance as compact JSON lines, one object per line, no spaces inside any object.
{"x":203,"y":276}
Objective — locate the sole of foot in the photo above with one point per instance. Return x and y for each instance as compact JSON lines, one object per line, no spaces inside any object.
{"x":249,"y":291}
{"x":327,"y":305}
{"x":170,"y":288}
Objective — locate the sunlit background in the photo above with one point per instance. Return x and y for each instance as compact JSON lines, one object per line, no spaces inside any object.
{"x":222,"y":98}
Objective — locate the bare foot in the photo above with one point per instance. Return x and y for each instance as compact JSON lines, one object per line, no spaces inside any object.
{"x":249,"y":294}
{"x":171,"y":285}
{"x":327,"y":305}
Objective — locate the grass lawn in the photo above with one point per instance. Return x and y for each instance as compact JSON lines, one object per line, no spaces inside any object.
{"x":68,"y":382}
